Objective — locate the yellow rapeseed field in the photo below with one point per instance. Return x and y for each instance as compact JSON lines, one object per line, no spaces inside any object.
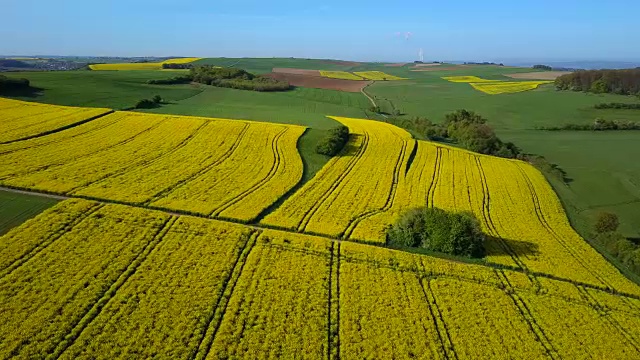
{"x":496,"y":87}
{"x":466,"y":79}
{"x":340,"y":75}
{"x":150,"y":284}
{"x":22,"y":119}
{"x":214,"y":167}
{"x":506,"y":87}
{"x":377,"y":75}
{"x":141,"y":66}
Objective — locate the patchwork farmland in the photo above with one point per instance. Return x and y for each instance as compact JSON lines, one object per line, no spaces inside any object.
{"x":205,"y":242}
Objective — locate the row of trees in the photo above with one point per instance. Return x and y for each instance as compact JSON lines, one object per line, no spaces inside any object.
{"x":236,"y":79}
{"x":177,"y":66}
{"x":182,"y":79}
{"x":623,"y":82}
{"x":598,"y":125}
{"x":618,"y":106}
{"x":543,"y":67}
{"x":10,"y":84}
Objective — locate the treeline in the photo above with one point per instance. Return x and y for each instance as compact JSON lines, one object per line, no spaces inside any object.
{"x":182,"y":79}
{"x":598,"y":125}
{"x":152,"y":103}
{"x":177,"y":66}
{"x":625,"y":250}
{"x":10,"y":84}
{"x":622,"y":82}
{"x":334,"y":142}
{"x":618,"y":106}
{"x":236,"y":79}
{"x":542,"y":67}
{"x":465,"y":128}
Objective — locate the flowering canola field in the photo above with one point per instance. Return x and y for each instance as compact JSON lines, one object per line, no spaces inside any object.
{"x":141,"y":66}
{"x":385,"y":172}
{"x":340,"y":75}
{"x":377,"y":75}
{"x":495,"y":87}
{"x":213,"y":167}
{"x":92,"y":279}
{"x":151,"y":284}
{"x":21,"y":120}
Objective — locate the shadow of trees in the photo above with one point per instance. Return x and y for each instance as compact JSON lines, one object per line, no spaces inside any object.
{"x":505,"y":247}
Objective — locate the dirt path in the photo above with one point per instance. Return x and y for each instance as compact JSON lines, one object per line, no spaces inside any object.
{"x":373,"y":102}
{"x":34,"y":193}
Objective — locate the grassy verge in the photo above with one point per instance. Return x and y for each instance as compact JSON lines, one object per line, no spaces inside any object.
{"x":18,"y":208}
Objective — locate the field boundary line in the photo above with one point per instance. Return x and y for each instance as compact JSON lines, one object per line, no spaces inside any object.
{"x":221,"y":159}
{"x":214,"y":321}
{"x":275,"y":166}
{"x":606,"y":314}
{"x":17,"y":263}
{"x":262,"y":227}
{"x":101,"y":127}
{"x":69,"y":126}
{"x":94,"y":311}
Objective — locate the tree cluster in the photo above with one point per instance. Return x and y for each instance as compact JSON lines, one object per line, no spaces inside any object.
{"x":625,"y":250}
{"x":619,"y":106}
{"x":437,"y":230}
{"x":177,"y":66}
{"x":236,"y":79}
{"x":598,"y":125}
{"x":149,"y":103}
{"x":334,"y":142}
{"x":466,"y":128}
{"x":182,"y":79}
{"x":9,"y":84}
{"x":542,"y":67}
{"x":623,"y":82}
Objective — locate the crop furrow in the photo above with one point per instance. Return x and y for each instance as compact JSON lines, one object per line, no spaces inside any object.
{"x":390,"y":197}
{"x":202,"y":171}
{"x":275,"y":166}
{"x":35,"y":251}
{"x":527,"y":316}
{"x":144,"y":163}
{"x":352,"y":163}
{"x":439,"y":324}
{"x":219,"y":308}
{"x":103,"y":300}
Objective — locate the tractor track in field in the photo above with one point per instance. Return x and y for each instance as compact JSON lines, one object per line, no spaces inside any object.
{"x":263,"y":227}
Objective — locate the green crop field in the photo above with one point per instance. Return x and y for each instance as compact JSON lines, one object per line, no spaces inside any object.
{"x":17,"y":208}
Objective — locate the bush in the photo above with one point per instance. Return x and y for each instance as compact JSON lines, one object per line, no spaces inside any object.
{"x":626,"y":251}
{"x":438,"y":230}
{"x":146,"y":104}
{"x":334,"y":142}
{"x":606,"y":222}
{"x":157,"y":99}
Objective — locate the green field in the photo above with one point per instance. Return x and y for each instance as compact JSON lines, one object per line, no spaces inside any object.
{"x":603,"y":177}
{"x":18,"y":208}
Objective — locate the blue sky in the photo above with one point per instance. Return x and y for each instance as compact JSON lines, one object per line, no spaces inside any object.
{"x":356,"y":30}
